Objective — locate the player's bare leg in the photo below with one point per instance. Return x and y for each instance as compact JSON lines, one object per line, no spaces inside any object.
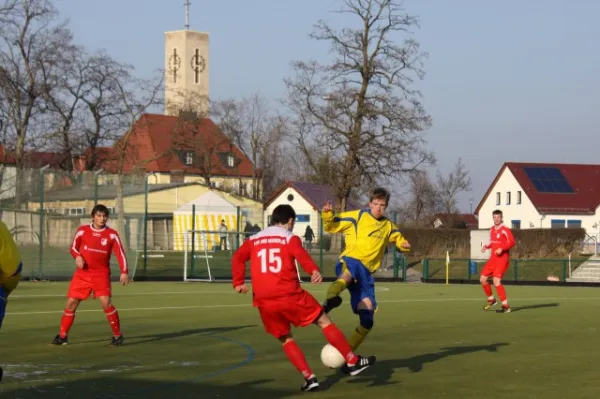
{"x":297,"y":358}
{"x":335,"y":289}
{"x":66,"y":322}
{"x":502,"y":294}
{"x":487,"y":288}
{"x":366,"y":313}
{"x":355,"y":364}
{"x":113,"y":319}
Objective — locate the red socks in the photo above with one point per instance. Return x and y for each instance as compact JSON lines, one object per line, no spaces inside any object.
{"x":336,"y":338}
{"x":66,"y":322}
{"x":113,"y":318}
{"x":487,"y":288}
{"x":296,"y":357}
{"x":502,"y":294}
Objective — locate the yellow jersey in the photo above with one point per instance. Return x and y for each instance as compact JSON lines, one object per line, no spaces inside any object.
{"x":10,"y":257}
{"x":366,"y":237}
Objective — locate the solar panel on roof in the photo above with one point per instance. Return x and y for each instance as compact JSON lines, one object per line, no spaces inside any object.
{"x":548,"y":180}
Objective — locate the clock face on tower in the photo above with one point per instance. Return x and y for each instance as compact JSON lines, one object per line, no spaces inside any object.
{"x":198,"y":62}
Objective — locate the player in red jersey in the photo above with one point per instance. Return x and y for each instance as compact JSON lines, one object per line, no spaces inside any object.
{"x":280,"y":299}
{"x":501,"y":241}
{"x":91,"y":249}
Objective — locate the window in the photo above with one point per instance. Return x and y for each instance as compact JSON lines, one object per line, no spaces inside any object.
{"x":290,"y":197}
{"x":230,"y":161}
{"x":574,"y":224}
{"x":518,"y":197}
{"x":189,"y":158}
{"x":557,"y":223}
{"x":497,"y":198}
{"x":508,"y":198}
{"x":516,"y":224}
{"x":303,"y":218}
{"x":76,"y":211}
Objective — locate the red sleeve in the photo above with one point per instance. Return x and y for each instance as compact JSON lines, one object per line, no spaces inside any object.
{"x":306,"y":261}
{"x":238,"y":263}
{"x":119,"y":251}
{"x":76,"y":244}
{"x":510,"y":240}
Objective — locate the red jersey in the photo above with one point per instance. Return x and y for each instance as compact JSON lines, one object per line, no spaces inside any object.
{"x":95,"y":246}
{"x":500,"y":237}
{"x":273,"y":273}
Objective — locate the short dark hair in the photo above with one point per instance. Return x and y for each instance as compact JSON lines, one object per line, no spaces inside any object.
{"x":380,"y":193}
{"x":100,"y":209}
{"x":497,"y":212}
{"x":282,"y":214}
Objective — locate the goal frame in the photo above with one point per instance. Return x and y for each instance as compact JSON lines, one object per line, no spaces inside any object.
{"x":187,"y":239}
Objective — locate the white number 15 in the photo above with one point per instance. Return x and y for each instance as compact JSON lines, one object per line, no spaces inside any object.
{"x":274,"y":262}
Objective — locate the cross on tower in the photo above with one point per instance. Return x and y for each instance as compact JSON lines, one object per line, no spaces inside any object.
{"x":198,"y":65}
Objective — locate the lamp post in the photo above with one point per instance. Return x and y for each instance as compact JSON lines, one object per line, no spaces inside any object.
{"x":146,"y":219}
{"x":96,"y":173}
{"x":42,"y":199}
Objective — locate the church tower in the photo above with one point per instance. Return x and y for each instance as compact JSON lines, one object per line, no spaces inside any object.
{"x":186,"y":70}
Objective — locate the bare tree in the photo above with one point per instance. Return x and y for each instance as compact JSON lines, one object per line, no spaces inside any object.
{"x":260,"y":134}
{"x":449,"y":186}
{"x":31,"y":45}
{"x":198,"y":143}
{"x":422,"y":202}
{"x":361,"y":107}
{"x":137,"y":97}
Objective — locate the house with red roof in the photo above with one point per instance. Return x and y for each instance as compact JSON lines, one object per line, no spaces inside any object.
{"x":307,"y":199}
{"x":544,"y":195}
{"x":178,"y":149}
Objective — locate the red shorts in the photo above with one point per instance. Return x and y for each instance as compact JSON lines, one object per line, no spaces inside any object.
{"x":83,"y":284}
{"x":495,"y":268}
{"x":300,"y":310}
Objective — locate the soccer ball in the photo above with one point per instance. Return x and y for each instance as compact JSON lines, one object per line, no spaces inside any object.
{"x":331,"y":357}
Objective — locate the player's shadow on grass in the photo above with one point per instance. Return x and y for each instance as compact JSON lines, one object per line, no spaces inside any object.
{"x":129,"y":386}
{"x":538,"y":306}
{"x":143,"y":339}
{"x":381,"y":372}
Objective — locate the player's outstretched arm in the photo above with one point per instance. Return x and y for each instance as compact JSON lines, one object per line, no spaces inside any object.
{"x":337,"y":223}
{"x":119,"y":252}
{"x":397,"y":238}
{"x":302,"y":256}
{"x":238,"y":267}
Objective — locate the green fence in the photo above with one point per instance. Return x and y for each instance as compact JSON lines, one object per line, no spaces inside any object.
{"x":519,"y":269}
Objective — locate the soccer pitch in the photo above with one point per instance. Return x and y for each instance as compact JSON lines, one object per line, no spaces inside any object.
{"x":202,"y":340}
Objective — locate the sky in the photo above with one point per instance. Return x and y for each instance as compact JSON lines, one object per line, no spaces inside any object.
{"x":512,"y":80}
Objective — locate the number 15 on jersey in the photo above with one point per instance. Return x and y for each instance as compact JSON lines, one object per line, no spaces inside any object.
{"x":270,"y":260}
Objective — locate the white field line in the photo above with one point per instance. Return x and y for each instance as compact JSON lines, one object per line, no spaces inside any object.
{"x":199,"y":292}
{"x":249,"y":305}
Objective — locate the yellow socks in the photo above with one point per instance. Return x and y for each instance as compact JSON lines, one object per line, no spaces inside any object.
{"x":336,"y":288}
{"x":358,"y":337}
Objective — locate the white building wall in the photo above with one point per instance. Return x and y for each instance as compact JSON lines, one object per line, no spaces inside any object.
{"x":524,"y":211}
{"x":301,"y":206}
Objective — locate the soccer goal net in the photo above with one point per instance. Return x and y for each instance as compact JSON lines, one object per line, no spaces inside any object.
{"x":207,"y":255}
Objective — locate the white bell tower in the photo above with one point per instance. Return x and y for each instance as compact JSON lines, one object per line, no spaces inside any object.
{"x":186,"y":70}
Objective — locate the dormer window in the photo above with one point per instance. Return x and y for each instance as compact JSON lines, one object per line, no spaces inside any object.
{"x":230,"y":161}
{"x":189,"y":158}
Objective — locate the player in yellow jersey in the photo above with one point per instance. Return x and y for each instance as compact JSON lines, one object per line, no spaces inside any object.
{"x":10,"y":269}
{"x":367,"y":233}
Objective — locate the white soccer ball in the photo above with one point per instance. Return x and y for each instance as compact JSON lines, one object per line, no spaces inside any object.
{"x":331,"y":357}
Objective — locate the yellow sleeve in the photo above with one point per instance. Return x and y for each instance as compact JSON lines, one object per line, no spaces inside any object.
{"x":339,"y":223}
{"x":397,"y":238}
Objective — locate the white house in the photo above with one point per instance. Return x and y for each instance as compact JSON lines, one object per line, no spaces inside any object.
{"x":307,"y":199}
{"x":541,"y":195}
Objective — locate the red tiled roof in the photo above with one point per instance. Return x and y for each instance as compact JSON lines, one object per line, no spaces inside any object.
{"x":583,"y":178}
{"x":155,"y":140}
